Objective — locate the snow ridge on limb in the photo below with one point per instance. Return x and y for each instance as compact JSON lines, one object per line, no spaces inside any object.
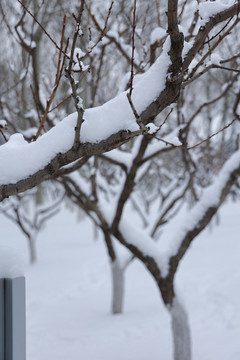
{"x":204,"y":31}
{"x":204,"y":210}
{"x":106,"y":127}
{"x":163,"y":264}
{"x":19,"y":172}
{"x":62,"y":159}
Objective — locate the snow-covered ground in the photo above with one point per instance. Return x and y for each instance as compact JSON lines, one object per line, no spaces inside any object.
{"x":69,"y":295}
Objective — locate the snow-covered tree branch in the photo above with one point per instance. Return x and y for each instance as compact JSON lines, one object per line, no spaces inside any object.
{"x":110,"y":125}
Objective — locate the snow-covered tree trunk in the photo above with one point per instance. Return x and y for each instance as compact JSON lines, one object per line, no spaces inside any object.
{"x":32,"y":249}
{"x":117,"y":287}
{"x":180,"y":331}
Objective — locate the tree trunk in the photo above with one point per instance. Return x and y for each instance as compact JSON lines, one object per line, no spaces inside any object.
{"x":32,"y":250}
{"x":180,"y":331}
{"x":117,"y":287}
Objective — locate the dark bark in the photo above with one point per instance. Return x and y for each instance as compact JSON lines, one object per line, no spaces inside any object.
{"x":205,"y":30}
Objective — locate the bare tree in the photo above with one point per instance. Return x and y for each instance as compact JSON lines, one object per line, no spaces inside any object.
{"x":30,"y":213}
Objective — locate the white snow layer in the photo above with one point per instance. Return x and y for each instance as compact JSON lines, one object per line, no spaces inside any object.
{"x":12,"y":264}
{"x":157,"y":34}
{"x":162,"y":255}
{"x":69,"y":290}
{"x":145,"y":243}
{"x":209,"y":9}
{"x":215,"y":60}
{"x":3,"y":123}
{"x":20,"y":159}
{"x":210,"y":198}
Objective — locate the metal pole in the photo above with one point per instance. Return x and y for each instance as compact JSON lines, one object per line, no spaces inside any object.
{"x":12,"y":319}
{"x":2,"y":335}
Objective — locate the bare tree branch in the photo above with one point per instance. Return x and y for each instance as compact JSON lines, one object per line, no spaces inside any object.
{"x":205,"y":30}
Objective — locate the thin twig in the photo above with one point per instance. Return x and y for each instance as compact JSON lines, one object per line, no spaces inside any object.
{"x":43,"y":29}
{"x":133,"y":48}
{"x":165,"y":120}
{"x":13,"y":86}
{"x":219,"y":32}
{"x":182,"y":11}
{"x":6,"y":21}
{"x":196,"y":145}
{"x":75,"y":166}
{"x":205,"y":30}
{"x":166,"y":142}
{"x":133,"y":107}
{"x":57,"y":80}
{"x":199,"y":74}
{"x":103,"y":31}
{"x":3,"y":135}
{"x":230,"y":59}
{"x":142,"y":127}
{"x":129,"y":94}
{"x":74,"y":85}
{"x":225,"y":68}
{"x":214,"y":47}
{"x":158,"y":12}
{"x":211,"y":136}
{"x":59,"y":104}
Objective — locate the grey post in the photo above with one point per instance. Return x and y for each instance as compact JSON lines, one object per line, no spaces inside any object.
{"x":12,"y":319}
{"x":2,"y":319}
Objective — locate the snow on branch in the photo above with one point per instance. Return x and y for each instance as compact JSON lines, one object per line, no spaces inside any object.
{"x":166,"y":260}
{"x":204,"y":30}
{"x":202,"y":213}
{"x":25,"y":165}
{"x":105,"y":128}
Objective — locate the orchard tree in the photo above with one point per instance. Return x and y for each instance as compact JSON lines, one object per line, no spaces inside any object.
{"x":30,"y":211}
{"x":152,"y":147}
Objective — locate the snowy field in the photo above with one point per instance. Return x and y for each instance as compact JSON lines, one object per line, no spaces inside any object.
{"x":69,"y":296}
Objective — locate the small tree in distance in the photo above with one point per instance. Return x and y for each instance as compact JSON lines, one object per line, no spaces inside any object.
{"x":30,"y":214}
